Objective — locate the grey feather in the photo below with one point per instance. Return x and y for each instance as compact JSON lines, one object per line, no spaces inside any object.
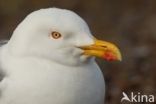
{"x":2,"y":74}
{"x":2,"y":42}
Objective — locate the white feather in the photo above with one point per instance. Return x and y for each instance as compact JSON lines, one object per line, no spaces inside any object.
{"x":42,"y":70}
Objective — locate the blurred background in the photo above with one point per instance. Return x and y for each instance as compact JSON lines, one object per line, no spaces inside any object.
{"x":130,"y":24}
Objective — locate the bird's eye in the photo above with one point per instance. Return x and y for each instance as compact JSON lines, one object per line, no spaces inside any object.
{"x":55,"y":35}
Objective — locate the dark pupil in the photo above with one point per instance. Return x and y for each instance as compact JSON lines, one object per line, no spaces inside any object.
{"x":56,"y":34}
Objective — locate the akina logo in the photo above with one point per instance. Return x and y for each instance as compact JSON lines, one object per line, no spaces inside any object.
{"x":138,"y":97}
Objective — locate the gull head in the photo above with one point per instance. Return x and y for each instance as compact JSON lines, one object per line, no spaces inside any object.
{"x":61,"y":36}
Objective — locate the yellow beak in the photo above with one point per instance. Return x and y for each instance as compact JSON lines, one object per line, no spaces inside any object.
{"x":103,"y":49}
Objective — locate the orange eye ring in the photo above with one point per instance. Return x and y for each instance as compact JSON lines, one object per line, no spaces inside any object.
{"x":55,"y":35}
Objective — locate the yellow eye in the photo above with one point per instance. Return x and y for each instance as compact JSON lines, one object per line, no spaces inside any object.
{"x":55,"y":35}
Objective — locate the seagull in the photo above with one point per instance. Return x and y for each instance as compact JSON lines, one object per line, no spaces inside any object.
{"x":50,"y":60}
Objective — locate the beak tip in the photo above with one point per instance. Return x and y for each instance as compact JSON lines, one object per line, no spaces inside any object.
{"x":120,"y":59}
{"x":119,"y":56}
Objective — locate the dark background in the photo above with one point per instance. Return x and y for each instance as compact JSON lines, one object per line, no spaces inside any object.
{"x":130,"y":24}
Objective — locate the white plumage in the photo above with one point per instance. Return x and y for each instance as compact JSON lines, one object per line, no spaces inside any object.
{"x":38,"y":69}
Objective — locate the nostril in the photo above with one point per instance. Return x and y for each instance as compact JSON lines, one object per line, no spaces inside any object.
{"x":104,"y":47}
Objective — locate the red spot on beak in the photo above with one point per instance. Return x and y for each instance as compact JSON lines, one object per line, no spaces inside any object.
{"x":109,"y":56}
